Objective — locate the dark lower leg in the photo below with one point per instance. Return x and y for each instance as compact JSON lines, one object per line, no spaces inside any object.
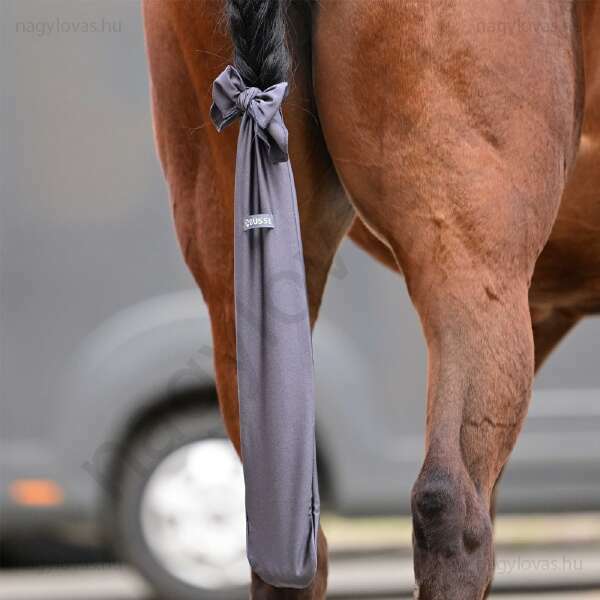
{"x":481,"y":369}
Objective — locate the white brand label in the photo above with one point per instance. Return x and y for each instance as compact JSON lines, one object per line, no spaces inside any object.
{"x":258,"y":221}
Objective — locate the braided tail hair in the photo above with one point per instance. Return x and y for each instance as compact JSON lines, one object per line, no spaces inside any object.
{"x":258,"y":30}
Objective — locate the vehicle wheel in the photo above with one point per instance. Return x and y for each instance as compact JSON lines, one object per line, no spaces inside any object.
{"x":179,"y":509}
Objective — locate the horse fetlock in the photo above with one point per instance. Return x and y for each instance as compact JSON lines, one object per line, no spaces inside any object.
{"x":452,"y":536}
{"x":438,"y":509}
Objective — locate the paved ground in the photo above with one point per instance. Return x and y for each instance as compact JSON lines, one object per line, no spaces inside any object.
{"x":122,"y":584}
{"x":350,"y":577}
{"x":372,"y":557}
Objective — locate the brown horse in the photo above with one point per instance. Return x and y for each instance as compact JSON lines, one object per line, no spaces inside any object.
{"x":458,"y":142}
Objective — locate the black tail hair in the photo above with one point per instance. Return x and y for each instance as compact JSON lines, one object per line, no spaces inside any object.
{"x":258,"y":30}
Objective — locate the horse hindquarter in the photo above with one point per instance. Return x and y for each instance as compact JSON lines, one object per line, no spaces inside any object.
{"x":452,"y":133}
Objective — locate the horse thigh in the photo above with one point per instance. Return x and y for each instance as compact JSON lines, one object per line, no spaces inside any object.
{"x":458,"y":163}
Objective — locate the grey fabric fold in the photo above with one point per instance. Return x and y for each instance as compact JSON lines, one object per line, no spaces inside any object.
{"x":274,"y":345}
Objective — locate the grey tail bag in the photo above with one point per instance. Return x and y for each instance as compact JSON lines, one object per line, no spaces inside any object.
{"x":274,"y":345}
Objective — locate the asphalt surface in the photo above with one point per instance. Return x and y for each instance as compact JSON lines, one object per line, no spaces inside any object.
{"x":537,"y":558}
{"x":566,"y":573}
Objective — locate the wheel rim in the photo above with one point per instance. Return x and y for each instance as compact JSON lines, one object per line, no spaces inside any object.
{"x":193,"y":515}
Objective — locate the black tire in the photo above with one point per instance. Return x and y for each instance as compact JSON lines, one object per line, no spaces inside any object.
{"x":142,"y":456}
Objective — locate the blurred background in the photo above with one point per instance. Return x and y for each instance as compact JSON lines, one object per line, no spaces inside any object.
{"x":116,"y":480}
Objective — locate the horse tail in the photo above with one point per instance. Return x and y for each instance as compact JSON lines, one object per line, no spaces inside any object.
{"x":258,"y":29}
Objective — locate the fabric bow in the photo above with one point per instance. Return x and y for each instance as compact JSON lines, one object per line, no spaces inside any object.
{"x":232,"y":99}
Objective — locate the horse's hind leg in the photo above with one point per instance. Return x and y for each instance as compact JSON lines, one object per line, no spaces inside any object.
{"x":456,"y":157}
{"x":187,"y":49}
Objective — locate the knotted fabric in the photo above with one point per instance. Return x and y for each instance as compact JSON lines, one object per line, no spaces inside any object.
{"x":274,"y":346}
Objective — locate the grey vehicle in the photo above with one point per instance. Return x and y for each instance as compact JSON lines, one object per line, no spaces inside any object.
{"x":109,"y":423}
